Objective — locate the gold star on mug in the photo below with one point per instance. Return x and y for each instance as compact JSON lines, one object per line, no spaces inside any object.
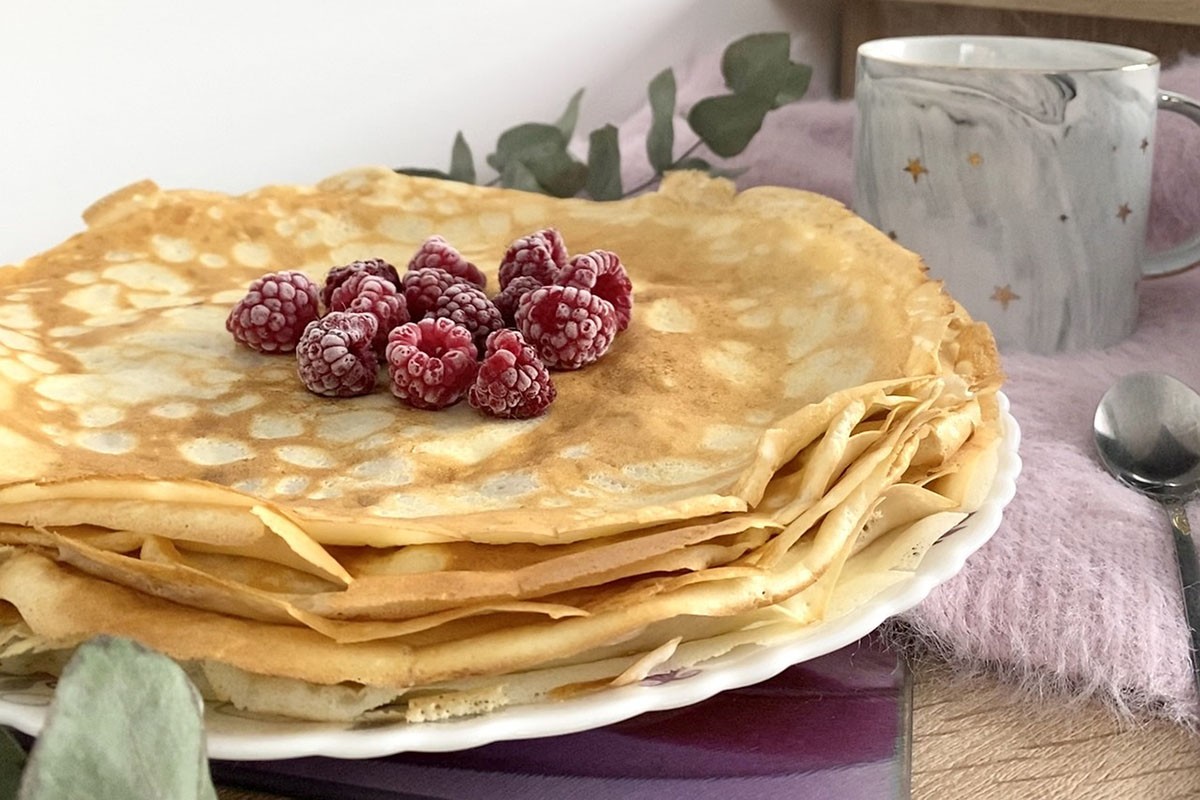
{"x":1124,"y":211}
{"x":1005,"y":295}
{"x":974,"y":159}
{"x":916,"y":169}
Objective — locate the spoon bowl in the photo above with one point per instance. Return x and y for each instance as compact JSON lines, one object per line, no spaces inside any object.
{"x":1147,"y":430}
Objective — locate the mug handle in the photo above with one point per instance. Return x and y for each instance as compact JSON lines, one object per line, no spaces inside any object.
{"x":1187,"y":254}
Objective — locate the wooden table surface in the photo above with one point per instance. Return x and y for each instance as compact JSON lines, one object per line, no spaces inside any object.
{"x":979,"y":739}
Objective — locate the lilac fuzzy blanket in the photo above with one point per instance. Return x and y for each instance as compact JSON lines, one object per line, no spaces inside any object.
{"x":1077,"y":592}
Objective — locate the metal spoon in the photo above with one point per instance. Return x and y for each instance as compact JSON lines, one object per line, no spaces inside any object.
{"x":1147,"y":429}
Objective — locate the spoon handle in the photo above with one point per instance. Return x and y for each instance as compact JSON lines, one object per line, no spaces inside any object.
{"x":1189,"y":575}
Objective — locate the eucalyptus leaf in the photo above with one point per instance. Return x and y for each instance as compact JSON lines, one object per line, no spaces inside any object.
{"x":759,"y":65}
{"x":793,"y":83}
{"x":604,"y":164}
{"x":525,"y":141}
{"x":462,"y":163}
{"x":542,"y":150}
{"x":751,"y":65}
{"x":517,"y":176}
{"x":570,"y":117}
{"x":728,"y":122}
{"x":692,"y":163}
{"x":660,"y":140}
{"x":559,"y":173}
{"x":12,"y":761}
{"x":420,"y":172}
{"x":125,"y":722}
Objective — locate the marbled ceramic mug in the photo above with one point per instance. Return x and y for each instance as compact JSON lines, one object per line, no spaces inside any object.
{"x":1019,"y":169}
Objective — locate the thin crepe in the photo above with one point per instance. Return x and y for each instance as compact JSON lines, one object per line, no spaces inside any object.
{"x":753,"y":311}
{"x":794,"y":411}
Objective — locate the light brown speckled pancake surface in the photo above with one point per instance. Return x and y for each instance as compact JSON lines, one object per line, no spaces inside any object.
{"x":114,"y":360}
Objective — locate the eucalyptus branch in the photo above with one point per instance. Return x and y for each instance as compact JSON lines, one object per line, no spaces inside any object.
{"x":679,"y":163}
{"x":758,"y":72}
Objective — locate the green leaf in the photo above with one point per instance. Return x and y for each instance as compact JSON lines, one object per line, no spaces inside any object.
{"x":751,"y":63}
{"x":462,"y":163}
{"x":692,"y":163}
{"x":759,"y":65}
{"x":559,"y":173}
{"x":727,"y":123}
{"x":542,"y":150}
{"x":604,"y":164}
{"x":793,"y":83}
{"x":12,"y":761}
{"x":125,"y":722}
{"x":566,"y":123}
{"x":517,"y":176}
{"x":660,"y":141}
{"x":523,"y":141}
{"x":419,"y":172}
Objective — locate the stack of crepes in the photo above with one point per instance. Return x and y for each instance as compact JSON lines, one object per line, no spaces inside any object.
{"x":794,"y":415}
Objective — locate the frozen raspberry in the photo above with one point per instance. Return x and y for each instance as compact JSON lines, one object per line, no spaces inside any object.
{"x":338,"y":275}
{"x":437,"y":252}
{"x":468,"y":306}
{"x":601,"y":272}
{"x":335,"y":357}
{"x":558,"y":248}
{"x":423,"y":287}
{"x":272,"y":315}
{"x":371,"y":294}
{"x":431,"y":362}
{"x":539,"y":255}
{"x":508,"y":299}
{"x":512,"y":382}
{"x":569,"y":327}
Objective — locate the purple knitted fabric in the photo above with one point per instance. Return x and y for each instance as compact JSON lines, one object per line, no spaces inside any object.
{"x":1077,"y":592}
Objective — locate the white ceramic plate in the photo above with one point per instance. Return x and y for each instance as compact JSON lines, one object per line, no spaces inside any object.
{"x":23,"y":701}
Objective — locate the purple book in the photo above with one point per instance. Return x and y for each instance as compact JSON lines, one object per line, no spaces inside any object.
{"x":837,"y":727}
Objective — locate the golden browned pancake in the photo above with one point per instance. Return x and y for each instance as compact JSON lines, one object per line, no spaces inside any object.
{"x":792,"y":396}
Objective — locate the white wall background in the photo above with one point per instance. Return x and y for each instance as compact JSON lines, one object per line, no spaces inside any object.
{"x":232,"y":94}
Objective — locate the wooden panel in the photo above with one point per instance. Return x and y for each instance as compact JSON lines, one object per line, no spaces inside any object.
{"x":863,"y":20}
{"x":1185,"y":12}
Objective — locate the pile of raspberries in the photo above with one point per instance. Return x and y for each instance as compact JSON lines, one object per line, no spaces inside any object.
{"x":442,"y":337}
